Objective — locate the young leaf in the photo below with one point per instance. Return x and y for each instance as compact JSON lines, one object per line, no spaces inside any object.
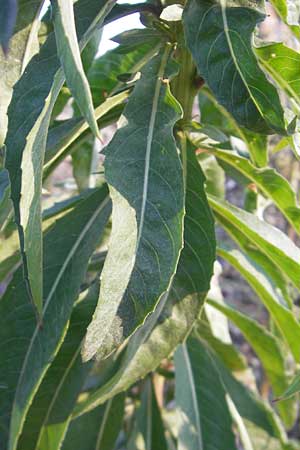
{"x":50,"y":413}
{"x":175,"y":315}
{"x":293,"y":389}
{"x":203,"y":416}
{"x":21,"y":47}
{"x":147,"y":217}
{"x":25,"y":361}
{"x":31,"y":106}
{"x":69,"y":54}
{"x":282,"y":316}
{"x":219,"y":37}
{"x":148,"y":431}
{"x":97,"y":429}
{"x":271,"y":183}
{"x":271,"y":241}
{"x":269,"y":352}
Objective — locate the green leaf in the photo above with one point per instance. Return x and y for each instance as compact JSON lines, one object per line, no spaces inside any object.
{"x":283,"y":64}
{"x":293,"y":389}
{"x":8,"y":16}
{"x":175,"y":315}
{"x":82,"y":160}
{"x":25,"y":361}
{"x":69,"y":54}
{"x":219,"y":38}
{"x":148,"y":430}
{"x":98,"y":429}
{"x":204,"y":419}
{"x":270,"y":182}
{"x":147,"y":211}
{"x":249,"y":405}
{"x":66,"y":137}
{"x":282,"y":316}
{"x":212,"y":113}
{"x":50,"y":413}
{"x":5,"y":204}
{"x":31,"y":106}
{"x":227,"y":352}
{"x":21,"y":47}
{"x":268,"y":350}
{"x":271,"y":241}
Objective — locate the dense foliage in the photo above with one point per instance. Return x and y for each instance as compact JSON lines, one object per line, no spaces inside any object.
{"x":113,"y":330}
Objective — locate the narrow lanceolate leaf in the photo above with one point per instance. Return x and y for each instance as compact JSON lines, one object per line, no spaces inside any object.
{"x":30,"y":111}
{"x":293,"y":389}
{"x":219,"y":37}
{"x":270,"y":182}
{"x":25,"y":361}
{"x":147,"y":221}
{"x":8,"y":16}
{"x":204,"y":419}
{"x":249,"y":405}
{"x":50,"y":413}
{"x":271,"y":241}
{"x":21,"y":47}
{"x":282,"y":316}
{"x":269,"y":352}
{"x":283,"y":64}
{"x":5,"y":203}
{"x":97,"y":429}
{"x":175,"y":315}
{"x":148,"y":430}
{"x":69,"y":54}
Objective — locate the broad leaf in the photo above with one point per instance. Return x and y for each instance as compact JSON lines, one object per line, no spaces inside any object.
{"x":282,"y":316}
{"x":69,"y":54}
{"x":98,"y":429}
{"x":30,"y":112}
{"x":219,"y":37}
{"x":271,"y":241}
{"x":174,"y":317}
{"x":24,"y":362}
{"x":50,"y":413}
{"x":204,"y":419}
{"x":148,"y":430}
{"x":21,"y":47}
{"x":269,"y":352}
{"x":147,"y":217}
{"x":270,"y":182}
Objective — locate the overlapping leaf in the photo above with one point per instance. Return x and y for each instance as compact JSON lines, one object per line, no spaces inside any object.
{"x":271,"y":241}
{"x":204,"y":419}
{"x":219,"y":37}
{"x":30,"y":111}
{"x":24,"y":361}
{"x":144,"y":173}
{"x":4,"y":196}
{"x":21,"y":47}
{"x":50,"y":413}
{"x":269,"y":352}
{"x":8,"y":16}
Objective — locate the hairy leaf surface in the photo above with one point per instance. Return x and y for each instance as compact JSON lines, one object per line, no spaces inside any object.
{"x":147,"y":220}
